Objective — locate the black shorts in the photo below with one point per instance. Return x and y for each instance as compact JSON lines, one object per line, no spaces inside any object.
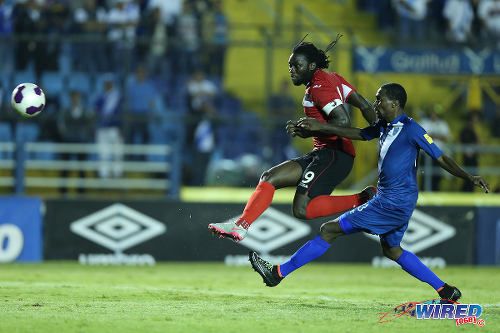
{"x":322,"y":170}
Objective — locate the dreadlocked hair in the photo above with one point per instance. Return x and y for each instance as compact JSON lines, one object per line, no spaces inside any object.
{"x":313,"y":54}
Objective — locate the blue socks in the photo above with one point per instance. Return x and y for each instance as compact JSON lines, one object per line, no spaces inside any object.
{"x":411,"y":264}
{"x":310,"y":251}
{"x":317,"y":246}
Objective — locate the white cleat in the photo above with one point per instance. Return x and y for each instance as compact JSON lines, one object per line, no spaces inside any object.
{"x":233,"y":230}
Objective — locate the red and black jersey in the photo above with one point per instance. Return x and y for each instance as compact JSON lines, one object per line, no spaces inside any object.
{"x":325,"y":92}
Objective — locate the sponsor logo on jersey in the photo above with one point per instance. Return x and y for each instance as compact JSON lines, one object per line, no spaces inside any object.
{"x":428,"y":138}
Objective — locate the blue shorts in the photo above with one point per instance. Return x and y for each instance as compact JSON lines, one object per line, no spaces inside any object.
{"x":379,"y":218}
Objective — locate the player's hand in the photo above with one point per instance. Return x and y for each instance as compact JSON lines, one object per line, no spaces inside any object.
{"x":310,"y":124}
{"x":480,"y":182}
{"x":290,"y":126}
{"x":294,"y":130}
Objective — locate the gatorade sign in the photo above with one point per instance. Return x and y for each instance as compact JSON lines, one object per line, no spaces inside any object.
{"x":20,"y":229}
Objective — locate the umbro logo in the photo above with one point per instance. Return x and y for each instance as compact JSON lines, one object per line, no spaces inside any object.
{"x":118,"y":227}
{"x":424,"y":231}
{"x":317,"y":86}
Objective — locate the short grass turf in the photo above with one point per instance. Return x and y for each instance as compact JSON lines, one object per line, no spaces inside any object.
{"x":211,"y":297}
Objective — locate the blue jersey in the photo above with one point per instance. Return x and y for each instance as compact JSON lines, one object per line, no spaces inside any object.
{"x":399,"y":145}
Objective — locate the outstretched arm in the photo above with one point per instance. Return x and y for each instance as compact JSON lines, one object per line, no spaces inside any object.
{"x":357,"y":100}
{"x":306,"y":127}
{"x":449,"y":164}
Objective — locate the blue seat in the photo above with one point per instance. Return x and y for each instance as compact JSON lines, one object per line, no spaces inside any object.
{"x":157,"y":135}
{"x":178,"y":103}
{"x":229,"y":105}
{"x":53,"y":83}
{"x":27,"y":76}
{"x":80,"y":81}
{"x":27,"y":132}
{"x":5,"y":132}
{"x":242,"y":136}
{"x":6,"y":85}
{"x":65,"y":60}
{"x":5,"y":136}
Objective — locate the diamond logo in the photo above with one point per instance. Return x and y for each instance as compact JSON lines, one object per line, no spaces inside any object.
{"x":424,"y":231}
{"x":272,"y":230}
{"x":118,"y":227}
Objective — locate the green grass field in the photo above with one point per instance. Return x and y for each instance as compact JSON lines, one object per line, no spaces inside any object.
{"x":211,"y":297}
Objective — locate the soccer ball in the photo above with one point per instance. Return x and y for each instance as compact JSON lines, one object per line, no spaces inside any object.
{"x":28,"y":99}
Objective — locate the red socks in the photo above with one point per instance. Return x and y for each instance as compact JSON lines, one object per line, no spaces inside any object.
{"x":259,"y":201}
{"x":325,"y":205}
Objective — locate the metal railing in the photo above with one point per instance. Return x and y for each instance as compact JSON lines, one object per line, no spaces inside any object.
{"x":158,"y":166}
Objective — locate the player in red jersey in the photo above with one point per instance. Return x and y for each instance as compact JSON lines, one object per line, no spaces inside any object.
{"x":317,"y":173}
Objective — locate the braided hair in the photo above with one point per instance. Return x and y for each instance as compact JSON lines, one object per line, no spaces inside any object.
{"x":313,"y":54}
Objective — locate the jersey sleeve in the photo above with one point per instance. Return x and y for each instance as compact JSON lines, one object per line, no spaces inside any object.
{"x":421,"y":139}
{"x":371,"y":132}
{"x":329,"y":93}
{"x":347,"y":88}
{"x":326,"y":96}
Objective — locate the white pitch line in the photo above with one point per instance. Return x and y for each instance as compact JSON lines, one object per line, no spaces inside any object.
{"x":194,"y":291}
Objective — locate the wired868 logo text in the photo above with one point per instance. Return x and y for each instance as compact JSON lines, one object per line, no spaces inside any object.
{"x":436,"y":309}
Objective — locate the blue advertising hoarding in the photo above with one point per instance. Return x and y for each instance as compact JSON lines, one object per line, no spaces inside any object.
{"x":467,"y":61}
{"x":20,"y":229}
{"x":488,"y":236}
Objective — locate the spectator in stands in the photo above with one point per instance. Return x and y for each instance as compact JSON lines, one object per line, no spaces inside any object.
{"x":469,"y":136}
{"x":89,"y":21}
{"x":141,"y":94}
{"x":439,"y":130}
{"x":6,"y":27}
{"x":75,"y":124}
{"x":28,"y":21}
{"x":411,"y":20}
{"x":122,"y":20}
{"x":201,"y":95}
{"x":170,"y":10}
{"x":459,"y":15}
{"x":215,"y":31}
{"x":57,"y":19}
{"x":489,"y":13}
{"x":381,"y":8}
{"x":154,"y":44}
{"x":282,"y":108}
{"x":109,"y":113}
{"x":189,"y":40}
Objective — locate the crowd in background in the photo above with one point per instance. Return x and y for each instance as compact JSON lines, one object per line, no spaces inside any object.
{"x":454,"y":23}
{"x":121,"y":71}
{"x":111,"y":68}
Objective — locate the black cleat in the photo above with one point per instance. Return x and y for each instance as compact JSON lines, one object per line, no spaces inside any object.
{"x":367,"y":194}
{"x":449,"y":294}
{"x":265,"y":269}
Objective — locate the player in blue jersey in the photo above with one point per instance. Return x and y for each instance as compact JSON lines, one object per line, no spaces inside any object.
{"x":388,"y":212}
